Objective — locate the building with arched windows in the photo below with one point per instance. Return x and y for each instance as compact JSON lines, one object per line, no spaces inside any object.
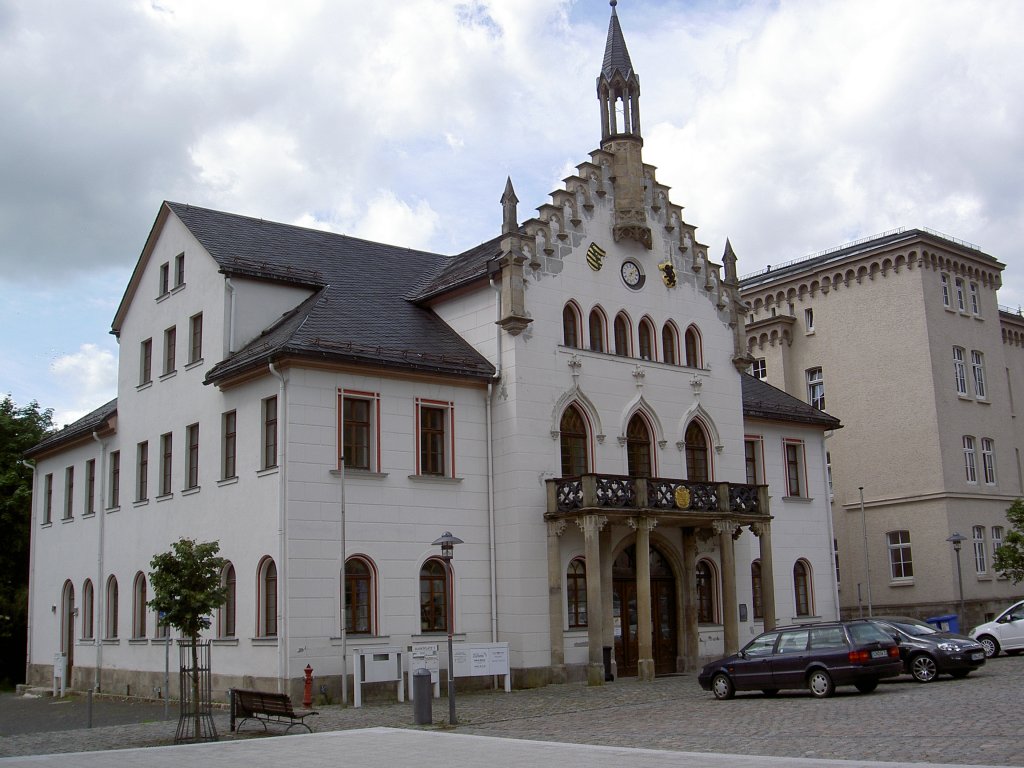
{"x":568,"y":398}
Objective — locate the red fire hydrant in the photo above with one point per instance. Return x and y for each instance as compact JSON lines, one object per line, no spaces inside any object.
{"x":307,"y":693}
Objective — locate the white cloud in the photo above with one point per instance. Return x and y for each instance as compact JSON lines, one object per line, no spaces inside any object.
{"x":88,"y":378}
{"x":388,"y":219}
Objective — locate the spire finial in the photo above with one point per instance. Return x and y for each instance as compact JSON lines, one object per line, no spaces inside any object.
{"x":613,"y":3}
{"x":508,"y":201}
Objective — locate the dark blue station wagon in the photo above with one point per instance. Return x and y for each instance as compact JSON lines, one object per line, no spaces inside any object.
{"x":814,"y":656}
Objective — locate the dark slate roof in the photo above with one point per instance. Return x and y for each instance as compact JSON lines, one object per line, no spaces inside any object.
{"x":358,"y":310}
{"x":763,"y":401}
{"x":459,"y":270}
{"x":616,"y":57}
{"x":84,"y":427}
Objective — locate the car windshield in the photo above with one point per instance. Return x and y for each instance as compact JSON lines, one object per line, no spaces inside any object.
{"x":867,"y":633}
{"x":912,"y":627}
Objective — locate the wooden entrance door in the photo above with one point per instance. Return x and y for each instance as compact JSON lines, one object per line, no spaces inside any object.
{"x":664,"y":619}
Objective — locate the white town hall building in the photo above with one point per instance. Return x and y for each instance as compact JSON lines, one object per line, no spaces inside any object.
{"x":568,"y":398}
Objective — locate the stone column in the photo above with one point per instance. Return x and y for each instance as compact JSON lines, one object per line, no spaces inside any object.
{"x":645,"y":643}
{"x":556,"y":601}
{"x":691,"y":639}
{"x":763,"y":531}
{"x":730,"y":618}
{"x":607,"y":603}
{"x":592,"y":525}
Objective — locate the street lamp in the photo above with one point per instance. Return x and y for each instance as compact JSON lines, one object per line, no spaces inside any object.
{"x":447,"y":543}
{"x":957,"y":540}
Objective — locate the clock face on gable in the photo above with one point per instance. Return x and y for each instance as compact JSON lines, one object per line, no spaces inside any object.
{"x":632,"y":275}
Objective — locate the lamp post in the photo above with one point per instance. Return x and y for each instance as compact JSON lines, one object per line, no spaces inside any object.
{"x":957,"y":540}
{"x":447,"y":543}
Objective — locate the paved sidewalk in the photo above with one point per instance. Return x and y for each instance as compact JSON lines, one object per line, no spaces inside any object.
{"x":974,"y":721}
{"x":387,"y":748}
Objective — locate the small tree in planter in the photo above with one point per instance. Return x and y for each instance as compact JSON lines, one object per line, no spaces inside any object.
{"x":186,"y":590}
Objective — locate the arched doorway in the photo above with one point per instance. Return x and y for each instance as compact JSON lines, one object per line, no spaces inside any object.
{"x":67,"y":628}
{"x":664,"y":624}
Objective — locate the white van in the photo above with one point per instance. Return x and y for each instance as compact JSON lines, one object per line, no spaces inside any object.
{"x":1005,"y":633}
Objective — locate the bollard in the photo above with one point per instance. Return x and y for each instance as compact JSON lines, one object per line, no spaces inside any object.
{"x":307,"y":693}
{"x":422,"y":697}
{"x":88,"y":708}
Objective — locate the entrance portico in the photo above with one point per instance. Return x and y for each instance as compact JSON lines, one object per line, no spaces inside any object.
{"x":603,"y":505}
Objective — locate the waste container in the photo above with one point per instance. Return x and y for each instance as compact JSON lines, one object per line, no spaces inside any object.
{"x":948,"y":623}
{"x":422,"y":697}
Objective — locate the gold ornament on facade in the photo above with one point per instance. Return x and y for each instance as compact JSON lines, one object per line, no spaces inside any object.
{"x":668,"y":274}
{"x":682,"y":497}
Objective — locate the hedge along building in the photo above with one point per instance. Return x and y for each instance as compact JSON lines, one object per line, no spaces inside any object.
{"x":566,"y":397}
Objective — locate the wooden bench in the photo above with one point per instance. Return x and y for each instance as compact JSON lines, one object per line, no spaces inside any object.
{"x":266,"y":708}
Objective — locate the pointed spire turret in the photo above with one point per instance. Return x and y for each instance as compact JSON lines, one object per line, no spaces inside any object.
{"x":510,"y":219}
{"x":618,"y":91}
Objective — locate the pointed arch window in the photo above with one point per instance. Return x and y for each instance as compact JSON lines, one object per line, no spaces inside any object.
{"x":597,"y":342}
{"x":266,"y":599}
{"x":576,"y":592}
{"x":669,"y":344}
{"x":802,"y":587}
{"x":67,"y":617}
{"x":110,"y":620}
{"x":696,"y":447}
{"x":570,"y":326}
{"x":88,"y":607}
{"x":226,"y":613}
{"x":139,"y":606}
{"x":574,"y":441}
{"x":622,"y":334}
{"x":707,"y":588}
{"x":433,"y":597}
{"x":638,"y":447}
{"x":647,"y":348}
{"x":692,"y":348}
{"x":358,"y":597}
{"x":757,"y":597}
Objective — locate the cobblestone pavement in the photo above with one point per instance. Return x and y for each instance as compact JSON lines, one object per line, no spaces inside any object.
{"x":977,"y":720}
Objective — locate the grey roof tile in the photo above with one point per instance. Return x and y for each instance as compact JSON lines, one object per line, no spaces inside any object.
{"x":763,"y":401}
{"x":83,"y":427}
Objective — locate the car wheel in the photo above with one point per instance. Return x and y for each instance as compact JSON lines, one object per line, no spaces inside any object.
{"x":722,"y":686}
{"x":959,"y":674}
{"x":866,"y":686}
{"x":923,"y":668}
{"x":990,"y":644}
{"x":770,"y":692}
{"x":820,"y":684}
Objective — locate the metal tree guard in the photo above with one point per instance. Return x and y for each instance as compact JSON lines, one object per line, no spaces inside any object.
{"x":195,"y":722}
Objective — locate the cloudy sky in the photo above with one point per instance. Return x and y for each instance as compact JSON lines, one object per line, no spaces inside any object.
{"x":789,"y":126}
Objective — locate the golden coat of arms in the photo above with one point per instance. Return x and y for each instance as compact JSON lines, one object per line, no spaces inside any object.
{"x":682,"y":497}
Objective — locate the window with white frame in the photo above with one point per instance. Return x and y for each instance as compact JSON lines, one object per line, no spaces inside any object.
{"x":975,"y":303}
{"x":945,"y":289}
{"x":435,"y":437}
{"x":179,"y":270}
{"x":752,"y":455}
{"x":146,"y":362}
{"x":961,"y":303}
{"x":794,"y":454}
{"x":434,"y":596}
{"x":69,"y":493}
{"x":576,"y":593}
{"x":959,"y":370}
{"x":835,"y":557}
{"x":978,"y":369}
{"x":170,"y":343}
{"x":997,"y":539}
{"x":269,"y":433}
{"x":48,"y":499}
{"x":90,"y":487}
{"x":115,"y":479}
{"x":166,"y":455}
{"x":758,"y":369}
{"x":802,"y":588}
{"x":816,"y":388}
{"x":360,"y":419}
{"x":139,"y":606}
{"x":809,"y":319}
{"x":266,"y":601}
{"x":359,"y":596}
{"x":988,"y":460}
{"x":192,"y":443}
{"x":828,"y":472}
{"x":970,"y":465}
{"x":142,"y":471}
{"x":901,"y":563}
{"x":195,"y":338}
{"x":980,"y":555}
{"x":165,"y":278}
{"x":229,"y":445}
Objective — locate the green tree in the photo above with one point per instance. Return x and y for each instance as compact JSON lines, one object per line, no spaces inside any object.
{"x":1009,"y":559}
{"x":20,"y":429}
{"x":187,"y":589}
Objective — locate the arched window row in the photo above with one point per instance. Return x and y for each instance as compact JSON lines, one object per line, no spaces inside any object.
{"x":674,"y":349}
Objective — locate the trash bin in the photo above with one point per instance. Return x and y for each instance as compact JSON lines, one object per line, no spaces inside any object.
{"x":422,"y":697}
{"x":948,"y":623}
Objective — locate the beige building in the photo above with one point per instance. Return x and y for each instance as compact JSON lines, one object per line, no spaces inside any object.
{"x":900,"y":336}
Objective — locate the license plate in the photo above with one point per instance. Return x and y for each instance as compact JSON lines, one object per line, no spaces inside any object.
{"x":978,"y":656}
{"x":879,"y":654}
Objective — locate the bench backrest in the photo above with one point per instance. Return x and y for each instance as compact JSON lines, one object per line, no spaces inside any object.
{"x":253,"y":702}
